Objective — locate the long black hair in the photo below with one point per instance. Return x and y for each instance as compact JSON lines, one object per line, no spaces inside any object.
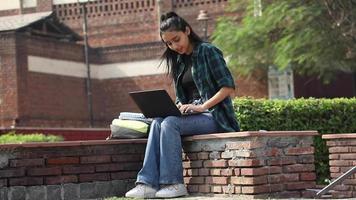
{"x":172,"y":22}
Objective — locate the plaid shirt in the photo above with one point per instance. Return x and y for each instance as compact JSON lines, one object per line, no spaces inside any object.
{"x":210,"y":74}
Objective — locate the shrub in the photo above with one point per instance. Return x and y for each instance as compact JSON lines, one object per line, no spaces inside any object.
{"x":329,"y":116}
{"x":13,"y":137}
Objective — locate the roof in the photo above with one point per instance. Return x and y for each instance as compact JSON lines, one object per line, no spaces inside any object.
{"x":9,"y":23}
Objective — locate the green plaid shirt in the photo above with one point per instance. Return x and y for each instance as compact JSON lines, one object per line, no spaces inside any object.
{"x":210,"y":73}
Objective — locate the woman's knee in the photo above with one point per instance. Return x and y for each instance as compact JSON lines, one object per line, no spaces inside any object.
{"x":170,"y":122}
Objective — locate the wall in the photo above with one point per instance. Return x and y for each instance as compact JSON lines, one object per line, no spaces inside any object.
{"x":8,"y":80}
{"x":254,"y":164}
{"x":342,"y":157}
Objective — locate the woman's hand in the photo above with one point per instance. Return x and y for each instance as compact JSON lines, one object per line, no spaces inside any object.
{"x":186,"y":108}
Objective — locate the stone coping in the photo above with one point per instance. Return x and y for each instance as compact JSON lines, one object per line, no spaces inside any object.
{"x":250,"y":134}
{"x":340,"y":136}
{"x":188,"y":138}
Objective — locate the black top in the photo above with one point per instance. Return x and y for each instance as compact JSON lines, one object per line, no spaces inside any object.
{"x":189,"y":87}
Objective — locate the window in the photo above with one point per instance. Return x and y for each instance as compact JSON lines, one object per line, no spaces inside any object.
{"x":280,"y":83}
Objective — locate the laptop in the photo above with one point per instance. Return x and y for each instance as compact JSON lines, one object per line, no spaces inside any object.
{"x":156,"y":103}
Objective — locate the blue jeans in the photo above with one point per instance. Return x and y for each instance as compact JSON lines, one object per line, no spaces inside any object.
{"x":163,"y":156}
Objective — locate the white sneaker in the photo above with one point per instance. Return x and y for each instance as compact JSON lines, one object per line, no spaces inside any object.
{"x":141,"y":191}
{"x":171,"y":191}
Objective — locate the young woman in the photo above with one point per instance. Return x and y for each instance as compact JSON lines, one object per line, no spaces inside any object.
{"x":202,"y":83}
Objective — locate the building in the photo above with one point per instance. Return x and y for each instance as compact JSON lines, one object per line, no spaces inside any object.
{"x":42,"y":70}
{"x":43,"y":76}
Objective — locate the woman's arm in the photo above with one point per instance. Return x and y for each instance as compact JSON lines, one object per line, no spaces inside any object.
{"x":218,"y":97}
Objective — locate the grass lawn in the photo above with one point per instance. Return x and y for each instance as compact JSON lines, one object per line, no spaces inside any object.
{"x":13,"y":137}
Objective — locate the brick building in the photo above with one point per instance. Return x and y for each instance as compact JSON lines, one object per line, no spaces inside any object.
{"x":43,"y":76}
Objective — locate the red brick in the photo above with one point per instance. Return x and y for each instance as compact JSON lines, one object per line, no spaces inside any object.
{"x":44,"y":171}
{"x":334,"y":169}
{"x":275,"y":187}
{"x":227,"y":172}
{"x":193,"y":172}
{"x":109,"y":167}
{"x":249,"y":180}
{"x":193,"y":164}
{"x":192,"y":156}
{"x":256,"y":189}
{"x":63,"y":161}
{"x":216,"y":180}
{"x":254,"y":171}
{"x":352,"y":149}
{"x":333,"y":156}
{"x":228,"y":189}
{"x":78,"y":169}
{"x":238,"y":189}
{"x":345,"y":169}
{"x":244,"y":145}
{"x":290,"y":177}
{"x":204,"y":188}
{"x":340,"y":163}
{"x":54,"y":180}
{"x":299,"y":168}
{"x":215,"y":163}
{"x":306,"y":159}
{"x":12,"y":173}
{"x":274,"y":170}
{"x":27,"y":162}
{"x":193,"y":188}
{"x":335,"y":175}
{"x":95,"y":159}
{"x":204,"y":172}
{"x":307,"y":177}
{"x":131,"y":166}
{"x":299,"y":150}
{"x":194,"y":180}
{"x":123,"y":175}
{"x":216,"y":189}
{"x":3,"y":183}
{"x":273,"y":152}
{"x":339,"y":150}
{"x":215,"y":172}
{"x":343,"y":187}
{"x":203,"y":155}
{"x":25,"y":181}
{"x":215,"y":155}
{"x":282,"y":161}
{"x":245,"y":163}
{"x":275,"y":178}
{"x":300,"y":185}
{"x":126,"y":158}
{"x":184,"y":156}
{"x":348,"y":156}
{"x":237,"y":171}
{"x":94,"y":177}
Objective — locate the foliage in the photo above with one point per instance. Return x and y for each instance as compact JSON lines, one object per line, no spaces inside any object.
{"x":13,"y":137}
{"x":324,"y":115}
{"x":313,"y":37}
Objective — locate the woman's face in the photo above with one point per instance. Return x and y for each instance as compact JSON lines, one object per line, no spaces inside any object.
{"x":178,"y":41}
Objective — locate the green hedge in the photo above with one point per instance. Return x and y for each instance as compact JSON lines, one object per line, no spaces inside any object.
{"x":327,"y":116}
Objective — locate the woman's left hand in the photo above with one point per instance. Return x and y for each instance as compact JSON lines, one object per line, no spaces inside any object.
{"x":186,"y":108}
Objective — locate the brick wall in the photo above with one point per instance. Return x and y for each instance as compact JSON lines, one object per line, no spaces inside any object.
{"x":133,"y":21}
{"x":69,"y":170}
{"x":342,"y":155}
{"x":8,"y":80}
{"x":264,"y":164}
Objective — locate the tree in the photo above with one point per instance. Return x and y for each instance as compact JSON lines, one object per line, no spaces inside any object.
{"x":314,"y":37}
